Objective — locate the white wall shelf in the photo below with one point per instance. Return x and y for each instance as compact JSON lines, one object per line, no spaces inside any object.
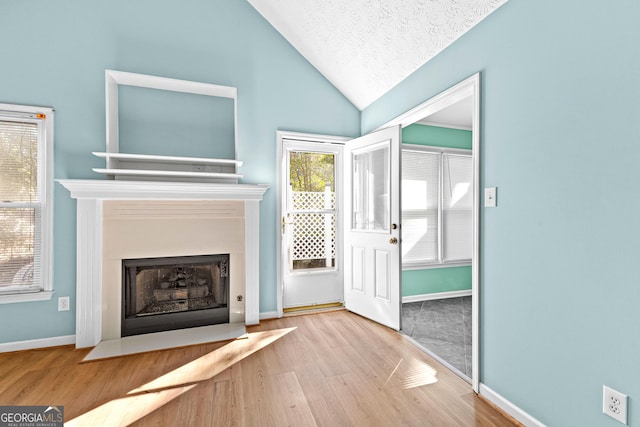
{"x":168,"y":159}
{"x":169,"y":174}
{"x":141,"y":166}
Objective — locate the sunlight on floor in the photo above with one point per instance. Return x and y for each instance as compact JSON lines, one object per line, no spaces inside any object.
{"x":151,"y":396}
{"x":418,"y":374}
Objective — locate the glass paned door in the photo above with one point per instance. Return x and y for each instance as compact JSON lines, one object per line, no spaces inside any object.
{"x":311,"y":239}
{"x":372,"y":240}
{"x":371,"y":189}
{"x":312,"y":210}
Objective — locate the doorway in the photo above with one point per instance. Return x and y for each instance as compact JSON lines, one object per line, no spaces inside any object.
{"x":366,"y":274}
{"x":438,"y":110}
{"x":310,"y":190}
{"x":437,"y":175}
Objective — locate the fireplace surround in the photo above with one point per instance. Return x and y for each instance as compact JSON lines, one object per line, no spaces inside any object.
{"x":111,"y":216}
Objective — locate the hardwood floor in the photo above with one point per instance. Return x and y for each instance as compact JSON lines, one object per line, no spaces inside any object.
{"x":328,"y":369}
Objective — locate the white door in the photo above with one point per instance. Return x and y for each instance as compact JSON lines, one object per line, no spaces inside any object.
{"x":372,"y":226}
{"x":310,"y":225}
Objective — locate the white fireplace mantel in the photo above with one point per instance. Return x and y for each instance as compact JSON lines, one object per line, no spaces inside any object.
{"x":90,"y":195}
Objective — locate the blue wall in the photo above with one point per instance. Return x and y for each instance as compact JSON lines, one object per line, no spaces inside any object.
{"x":436,"y":280}
{"x":55,"y":54}
{"x":175,"y":124}
{"x":560,"y":139}
{"x":436,"y":136}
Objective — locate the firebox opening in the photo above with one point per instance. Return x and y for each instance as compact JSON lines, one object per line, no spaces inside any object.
{"x":162,"y":294}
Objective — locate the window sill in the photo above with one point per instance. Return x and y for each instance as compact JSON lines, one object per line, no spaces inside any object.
{"x":26,"y":297}
{"x":425,"y":266}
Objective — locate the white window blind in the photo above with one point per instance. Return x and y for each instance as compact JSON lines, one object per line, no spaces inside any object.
{"x":21,"y":144}
{"x":437,"y":204}
{"x":420,"y":183}
{"x":457,"y":205}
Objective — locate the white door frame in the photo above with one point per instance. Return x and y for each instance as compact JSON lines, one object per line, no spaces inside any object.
{"x":299,"y":136}
{"x":464,"y":89}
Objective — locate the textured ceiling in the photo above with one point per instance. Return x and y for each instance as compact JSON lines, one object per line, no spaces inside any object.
{"x":366,"y":47}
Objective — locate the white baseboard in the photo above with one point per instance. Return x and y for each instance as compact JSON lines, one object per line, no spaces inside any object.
{"x":39,"y":343}
{"x":509,"y":407}
{"x":437,"y":295}
{"x":268,"y":315}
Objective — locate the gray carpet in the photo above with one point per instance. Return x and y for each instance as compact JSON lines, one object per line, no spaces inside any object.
{"x":442,"y":326}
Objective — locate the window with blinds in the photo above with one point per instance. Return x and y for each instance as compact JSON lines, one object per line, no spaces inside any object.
{"x":437,"y":203}
{"x":23,"y":229}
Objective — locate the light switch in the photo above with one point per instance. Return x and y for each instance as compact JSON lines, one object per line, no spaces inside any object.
{"x":490,"y":194}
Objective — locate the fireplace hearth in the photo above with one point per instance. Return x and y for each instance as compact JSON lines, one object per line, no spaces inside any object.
{"x":161,"y":294}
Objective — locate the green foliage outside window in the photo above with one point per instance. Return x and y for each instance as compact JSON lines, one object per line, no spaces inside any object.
{"x":311,"y":172}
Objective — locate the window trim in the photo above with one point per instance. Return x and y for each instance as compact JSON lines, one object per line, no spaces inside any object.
{"x":45,"y":148}
{"x":440,"y":262}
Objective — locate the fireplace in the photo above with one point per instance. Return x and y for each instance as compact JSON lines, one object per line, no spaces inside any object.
{"x":162,"y":294}
{"x":119,"y":220}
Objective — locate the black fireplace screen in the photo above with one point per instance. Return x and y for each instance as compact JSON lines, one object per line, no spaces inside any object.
{"x":161,"y":294}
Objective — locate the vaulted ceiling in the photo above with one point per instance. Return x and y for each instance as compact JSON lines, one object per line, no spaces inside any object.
{"x":366,"y":47}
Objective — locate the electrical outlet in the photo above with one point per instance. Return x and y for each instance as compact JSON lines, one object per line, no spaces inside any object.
{"x":614,"y":404}
{"x":63,"y":304}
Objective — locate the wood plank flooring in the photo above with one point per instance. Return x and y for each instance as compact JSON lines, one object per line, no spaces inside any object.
{"x":327,"y":369}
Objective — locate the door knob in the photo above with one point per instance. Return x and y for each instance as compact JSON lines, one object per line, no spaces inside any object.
{"x":393,"y":241}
